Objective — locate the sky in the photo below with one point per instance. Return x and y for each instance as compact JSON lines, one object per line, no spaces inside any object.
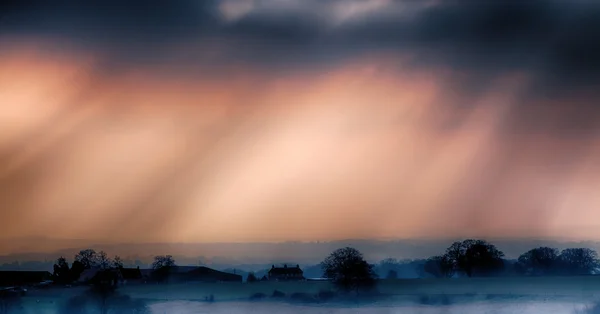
{"x":312,"y":120}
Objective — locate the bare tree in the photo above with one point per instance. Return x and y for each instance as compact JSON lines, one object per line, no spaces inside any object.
{"x":117,"y":262}
{"x":348,"y":270}
{"x":475,"y":257}
{"x":103,"y":261}
{"x":87,"y":257}
{"x":579,"y":261}
{"x":539,"y":261}
{"x":163,"y":266}
{"x":162,"y":261}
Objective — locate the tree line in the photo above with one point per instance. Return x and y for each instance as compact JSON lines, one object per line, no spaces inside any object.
{"x":90,"y":259}
{"x":478,"y":258}
{"x":347,"y":268}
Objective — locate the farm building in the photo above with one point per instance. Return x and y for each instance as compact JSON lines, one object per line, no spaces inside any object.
{"x":132,"y":275}
{"x":286,"y":273}
{"x":195,"y":274}
{"x":205,"y":274}
{"x":23,"y":278}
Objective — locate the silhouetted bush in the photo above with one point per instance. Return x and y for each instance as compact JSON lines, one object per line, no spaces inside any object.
{"x":303,"y":297}
{"x":251,"y":278}
{"x":209,"y":298}
{"x":258,"y":296}
{"x":278,"y":294}
{"x":431,"y":299}
{"x":445,"y":300}
{"x":326,"y":295}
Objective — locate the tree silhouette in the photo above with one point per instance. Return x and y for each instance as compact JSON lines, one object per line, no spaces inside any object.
{"x":101,"y":292}
{"x":88,"y":258}
{"x":117,"y":262}
{"x":475,"y":257}
{"x":348,"y":270}
{"x":76,"y":269}
{"x":251,"y":277}
{"x":103,"y":261}
{"x":439,"y":266}
{"x":163,"y":265}
{"x":162,"y":261}
{"x":538,"y":261}
{"x":579,"y":261}
{"x":62,"y":273}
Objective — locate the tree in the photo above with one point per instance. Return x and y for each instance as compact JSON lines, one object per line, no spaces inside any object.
{"x":163,"y":261}
{"x":102,"y":291}
{"x":475,"y":257}
{"x":439,"y":266}
{"x":117,"y":262}
{"x":251,"y":277}
{"x":538,"y":261}
{"x":62,"y":273}
{"x":76,"y":269}
{"x":348,"y":270}
{"x":162,"y":266}
{"x":579,"y":261}
{"x":88,"y":258}
{"x":103,"y":261}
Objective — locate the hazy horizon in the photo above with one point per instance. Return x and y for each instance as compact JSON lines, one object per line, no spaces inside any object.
{"x":264,"y":253}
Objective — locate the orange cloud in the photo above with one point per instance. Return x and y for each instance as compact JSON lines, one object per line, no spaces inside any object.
{"x":355,"y":152}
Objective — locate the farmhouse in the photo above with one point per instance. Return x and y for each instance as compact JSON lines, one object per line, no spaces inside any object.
{"x":111,"y":277}
{"x":102,"y":276}
{"x":88,"y":275}
{"x":286,"y":273}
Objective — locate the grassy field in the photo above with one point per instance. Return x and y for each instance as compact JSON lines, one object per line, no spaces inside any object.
{"x":402,"y":292}
{"x":399,"y":291}
{"x":537,"y":286}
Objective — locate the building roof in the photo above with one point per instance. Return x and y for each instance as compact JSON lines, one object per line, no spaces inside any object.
{"x":285,"y":270}
{"x":16,"y":278}
{"x":183,"y":269}
{"x":213,"y":274}
{"x":146,"y":272}
{"x":131,"y":273}
{"x":88,"y":274}
{"x":200,"y":273}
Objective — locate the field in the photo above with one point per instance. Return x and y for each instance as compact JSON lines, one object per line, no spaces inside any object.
{"x":587,"y":286}
{"x":556,"y":293}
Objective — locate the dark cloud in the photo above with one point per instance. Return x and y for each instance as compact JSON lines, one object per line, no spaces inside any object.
{"x":556,"y":41}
